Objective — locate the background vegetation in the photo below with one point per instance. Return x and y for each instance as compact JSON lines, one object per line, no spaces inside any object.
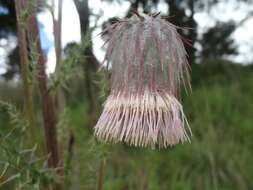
{"x":219,"y":110}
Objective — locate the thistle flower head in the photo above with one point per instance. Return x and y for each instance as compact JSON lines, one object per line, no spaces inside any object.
{"x":148,"y":62}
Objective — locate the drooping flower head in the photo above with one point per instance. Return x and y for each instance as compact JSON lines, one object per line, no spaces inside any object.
{"x":148,"y":62}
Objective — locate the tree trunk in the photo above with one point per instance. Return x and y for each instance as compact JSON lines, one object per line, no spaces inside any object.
{"x":90,"y":63}
{"x":193,"y":32}
{"x":179,"y":18}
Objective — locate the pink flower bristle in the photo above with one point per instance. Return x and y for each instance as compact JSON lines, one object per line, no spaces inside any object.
{"x":143,"y":125}
{"x":148,"y":63}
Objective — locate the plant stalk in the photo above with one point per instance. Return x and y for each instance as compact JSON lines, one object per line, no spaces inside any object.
{"x":47,"y":107}
{"x":59,"y":99}
{"x":101,"y":174}
{"x":24,"y":63}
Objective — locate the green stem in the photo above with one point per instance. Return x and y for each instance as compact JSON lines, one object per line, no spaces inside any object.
{"x":101,"y":174}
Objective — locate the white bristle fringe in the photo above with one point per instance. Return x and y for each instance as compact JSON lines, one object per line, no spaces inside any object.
{"x":147,"y":120}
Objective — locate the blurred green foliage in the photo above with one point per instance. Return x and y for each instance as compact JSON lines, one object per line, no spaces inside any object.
{"x":219,"y":110}
{"x":20,"y":166}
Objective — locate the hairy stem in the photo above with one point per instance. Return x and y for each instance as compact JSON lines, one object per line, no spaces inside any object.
{"x":47,"y":107}
{"x":24,"y":63}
